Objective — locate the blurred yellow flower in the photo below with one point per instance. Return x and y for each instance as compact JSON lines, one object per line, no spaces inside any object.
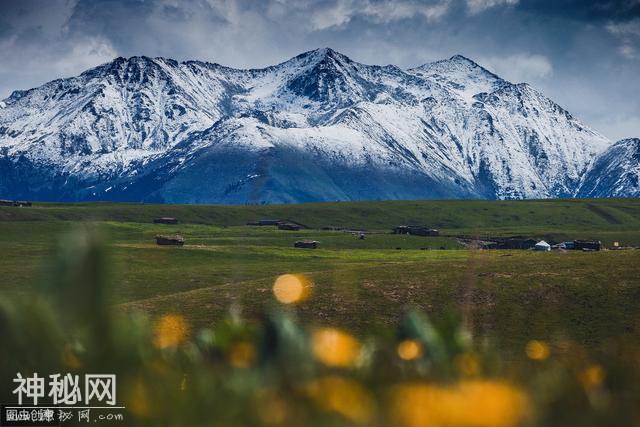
{"x":169,"y":331}
{"x":537,"y":350}
{"x":272,"y":409}
{"x":291,"y":288}
{"x":334,"y":347}
{"x":70,"y":359}
{"x":343,"y":396}
{"x":242,"y":354}
{"x":468,"y":364}
{"x":479,"y":403}
{"x":409,"y":349}
{"x":159,"y":367}
{"x":136,"y":398}
{"x":592,"y":377}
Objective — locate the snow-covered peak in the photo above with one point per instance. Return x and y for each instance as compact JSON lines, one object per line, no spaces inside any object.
{"x":615,"y":172}
{"x":633,"y":145}
{"x":633,"y":142}
{"x":461,"y":74}
{"x":446,"y":129}
{"x":316,"y":83}
{"x":318,"y":55}
{"x":462,"y":59}
{"x":457,"y":66}
{"x":120,"y":65}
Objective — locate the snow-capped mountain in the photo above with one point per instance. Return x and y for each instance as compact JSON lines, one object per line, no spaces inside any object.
{"x":317,"y":127}
{"x":614,"y":173}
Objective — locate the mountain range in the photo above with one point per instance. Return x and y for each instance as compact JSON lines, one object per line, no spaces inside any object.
{"x":318,"y":127}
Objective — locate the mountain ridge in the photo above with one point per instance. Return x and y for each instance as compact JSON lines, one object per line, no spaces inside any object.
{"x":316,"y":127}
{"x":615,"y":173}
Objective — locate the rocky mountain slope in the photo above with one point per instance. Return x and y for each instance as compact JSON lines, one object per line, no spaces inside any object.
{"x":614,"y":173}
{"x":315,"y":128}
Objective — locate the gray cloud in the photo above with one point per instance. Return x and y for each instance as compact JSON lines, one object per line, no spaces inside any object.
{"x":36,"y":44}
{"x":521,"y":67}
{"x":629,"y":35}
{"x":341,"y":12}
{"x":477,"y":6}
{"x":584,"y":55}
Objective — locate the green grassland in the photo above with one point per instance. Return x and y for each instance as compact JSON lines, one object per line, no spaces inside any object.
{"x":66,"y":269}
{"x":362,"y":285}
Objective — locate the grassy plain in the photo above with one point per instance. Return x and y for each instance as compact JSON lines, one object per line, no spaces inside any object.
{"x":512,"y":338}
{"x":362,"y":285}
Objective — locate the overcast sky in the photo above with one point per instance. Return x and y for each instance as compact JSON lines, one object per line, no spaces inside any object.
{"x":583,"y":55}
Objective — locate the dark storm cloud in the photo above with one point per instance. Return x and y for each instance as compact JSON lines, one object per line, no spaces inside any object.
{"x":585,"y":55}
{"x":584,"y":10}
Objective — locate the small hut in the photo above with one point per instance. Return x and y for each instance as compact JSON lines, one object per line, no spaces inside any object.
{"x":309,"y":244}
{"x":516,"y":243}
{"x":423,"y":231}
{"x":542,"y":246}
{"x":269,"y":222}
{"x":170,"y":240}
{"x":587,"y":245}
{"x":165,"y":220}
{"x":16,"y":203}
{"x":485,"y":244}
{"x":416,"y":230}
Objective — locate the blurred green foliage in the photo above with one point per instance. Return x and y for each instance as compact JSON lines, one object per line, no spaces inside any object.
{"x":278,"y":371}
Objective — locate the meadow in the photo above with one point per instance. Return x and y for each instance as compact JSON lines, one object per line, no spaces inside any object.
{"x":504,"y":300}
{"x":360,"y":284}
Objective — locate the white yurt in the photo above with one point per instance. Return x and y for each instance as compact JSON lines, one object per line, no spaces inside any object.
{"x":542,"y":246}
